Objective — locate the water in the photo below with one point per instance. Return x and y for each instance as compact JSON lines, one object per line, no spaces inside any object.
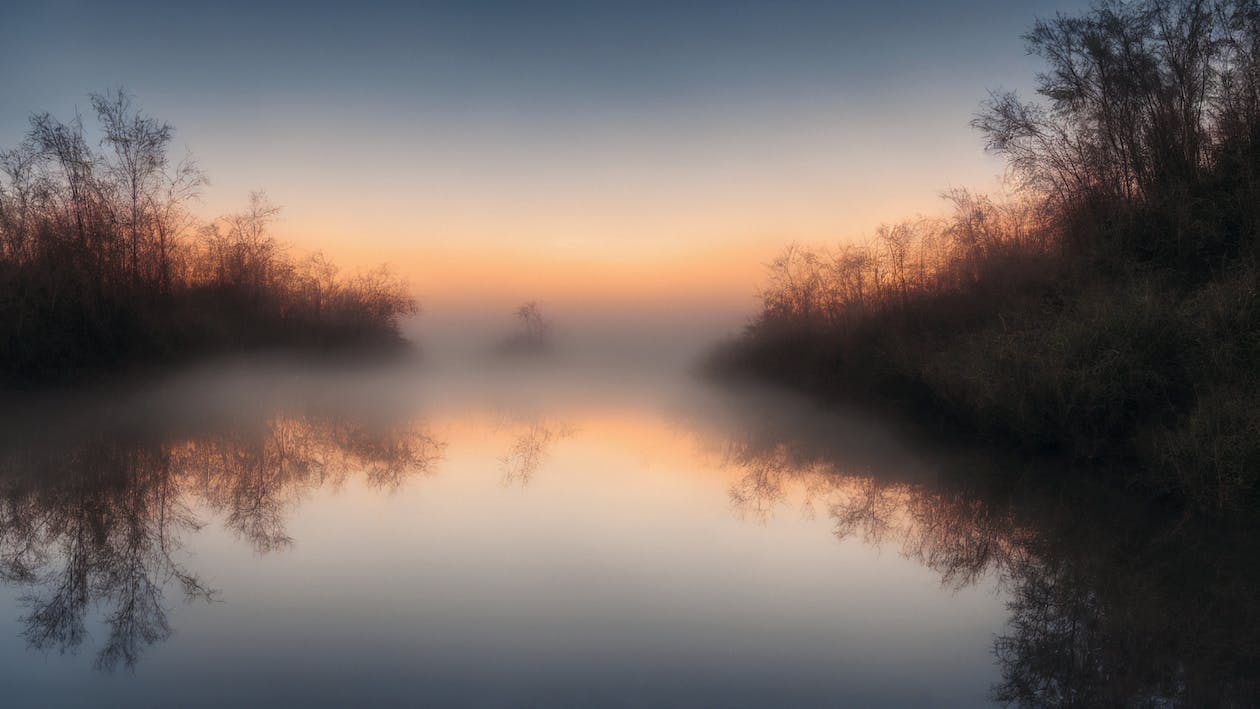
{"x":572,"y":531}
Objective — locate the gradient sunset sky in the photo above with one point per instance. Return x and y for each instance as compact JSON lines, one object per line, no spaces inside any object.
{"x":628,"y":151}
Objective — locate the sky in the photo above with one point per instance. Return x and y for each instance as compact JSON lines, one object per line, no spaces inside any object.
{"x":625,"y":153}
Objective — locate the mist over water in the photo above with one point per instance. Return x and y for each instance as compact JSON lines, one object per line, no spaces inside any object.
{"x":588,"y":523}
{"x":661,"y":336}
{"x":593,"y":354}
{"x":592,"y":524}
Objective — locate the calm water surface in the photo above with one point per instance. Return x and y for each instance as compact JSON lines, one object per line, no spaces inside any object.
{"x":469,"y":532}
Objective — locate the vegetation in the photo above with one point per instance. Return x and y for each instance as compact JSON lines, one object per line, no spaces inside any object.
{"x":97,"y":501}
{"x":1112,"y":601}
{"x":1107,"y":310}
{"x":533,"y":335}
{"x":102,"y":264}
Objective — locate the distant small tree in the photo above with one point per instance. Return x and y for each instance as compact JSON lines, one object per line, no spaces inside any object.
{"x":535,"y":325}
{"x":533,"y":333}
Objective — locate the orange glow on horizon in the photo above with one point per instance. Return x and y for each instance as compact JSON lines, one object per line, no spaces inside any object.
{"x":472,"y":261}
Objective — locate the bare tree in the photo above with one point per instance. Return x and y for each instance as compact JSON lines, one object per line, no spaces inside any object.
{"x":533,"y":334}
{"x":138,"y":144}
{"x":1145,"y":105}
{"x":531,"y":318}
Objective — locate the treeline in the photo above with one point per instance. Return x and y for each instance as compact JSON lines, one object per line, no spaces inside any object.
{"x":1107,"y":311}
{"x":103,"y":264}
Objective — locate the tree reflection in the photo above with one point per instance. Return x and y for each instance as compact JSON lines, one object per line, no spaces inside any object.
{"x":254,"y":476}
{"x":1113,"y":601}
{"x":530,"y":449}
{"x":95,"y":519}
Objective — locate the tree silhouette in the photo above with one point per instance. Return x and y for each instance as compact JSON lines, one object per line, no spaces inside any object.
{"x":103,"y":263}
{"x":534,"y":333}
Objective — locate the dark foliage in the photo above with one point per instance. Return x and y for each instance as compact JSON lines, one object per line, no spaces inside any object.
{"x":1112,"y":601}
{"x":103,"y":266}
{"x":1107,"y":313}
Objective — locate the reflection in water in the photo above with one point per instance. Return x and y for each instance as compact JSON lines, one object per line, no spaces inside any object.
{"x":254,"y":477}
{"x":1112,"y":602}
{"x":530,"y":449}
{"x":102,"y":530}
{"x":95,"y":518}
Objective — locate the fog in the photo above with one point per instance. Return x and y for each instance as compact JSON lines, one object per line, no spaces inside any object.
{"x":654,"y":336}
{"x":464,"y":525}
{"x":643,"y":363}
